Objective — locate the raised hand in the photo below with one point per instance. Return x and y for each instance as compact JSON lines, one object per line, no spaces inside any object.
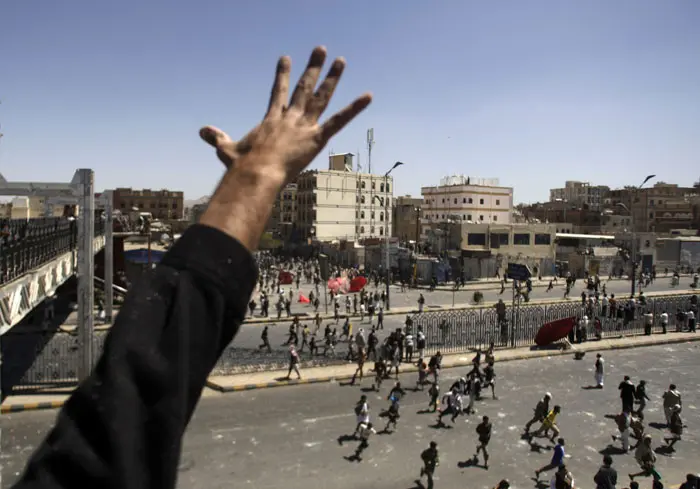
{"x":291,"y":134}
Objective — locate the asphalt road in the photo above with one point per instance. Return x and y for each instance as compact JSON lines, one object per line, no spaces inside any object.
{"x":440,"y":297}
{"x":288,"y":436}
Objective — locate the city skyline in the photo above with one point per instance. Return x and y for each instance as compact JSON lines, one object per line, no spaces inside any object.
{"x":534,"y":95}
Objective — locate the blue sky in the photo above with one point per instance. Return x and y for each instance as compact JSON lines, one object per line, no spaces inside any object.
{"x":532,"y":92}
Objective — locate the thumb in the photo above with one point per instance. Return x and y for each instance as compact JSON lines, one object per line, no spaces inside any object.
{"x":213,"y":136}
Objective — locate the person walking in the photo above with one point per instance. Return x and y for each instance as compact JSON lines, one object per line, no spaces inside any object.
{"x":483,"y":432}
{"x":293,"y":363}
{"x":599,"y":371}
{"x":431,"y":461}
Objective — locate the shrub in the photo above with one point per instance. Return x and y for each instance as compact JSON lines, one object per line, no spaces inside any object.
{"x":478,"y":297}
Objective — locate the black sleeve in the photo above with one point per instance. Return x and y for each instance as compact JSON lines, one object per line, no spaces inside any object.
{"x":123,"y":426}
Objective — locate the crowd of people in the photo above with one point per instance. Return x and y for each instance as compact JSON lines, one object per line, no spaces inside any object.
{"x":630,"y":423}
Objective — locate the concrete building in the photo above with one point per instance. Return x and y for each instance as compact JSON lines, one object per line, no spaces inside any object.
{"x":406,"y":218}
{"x":659,"y":208}
{"x":33,"y":207}
{"x":162,"y":204}
{"x":196,"y":211}
{"x":342,"y":205}
{"x":488,"y":248}
{"x":581,"y":194}
{"x":5,"y":210}
{"x":466,"y":200}
{"x":284,"y":213}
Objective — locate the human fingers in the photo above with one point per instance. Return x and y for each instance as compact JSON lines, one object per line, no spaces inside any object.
{"x":308,"y":80}
{"x":341,"y":118}
{"x":213,"y":136}
{"x":221,"y":141}
{"x":319,"y":101}
{"x":280,"y":88}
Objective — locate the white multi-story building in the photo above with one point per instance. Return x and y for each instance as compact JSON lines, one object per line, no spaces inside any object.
{"x":467,"y":200}
{"x":343,"y":204}
{"x":580,"y":193}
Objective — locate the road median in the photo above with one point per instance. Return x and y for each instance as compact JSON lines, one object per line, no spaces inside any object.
{"x":339,"y":373}
{"x":446,"y":307}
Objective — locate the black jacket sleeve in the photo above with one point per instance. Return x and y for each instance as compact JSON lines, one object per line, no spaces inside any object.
{"x":123,"y":426}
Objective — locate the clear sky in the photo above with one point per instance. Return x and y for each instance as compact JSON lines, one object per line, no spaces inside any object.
{"x":531,"y":92}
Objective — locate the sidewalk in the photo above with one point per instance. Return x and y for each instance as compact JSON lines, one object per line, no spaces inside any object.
{"x":457,"y":307}
{"x":262,"y":380}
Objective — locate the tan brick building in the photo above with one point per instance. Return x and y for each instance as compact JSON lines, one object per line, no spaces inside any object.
{"x":163,"y":204}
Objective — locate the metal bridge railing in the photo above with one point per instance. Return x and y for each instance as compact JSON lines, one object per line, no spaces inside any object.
{"x":37,"y":360}
{"x":26,"y":244}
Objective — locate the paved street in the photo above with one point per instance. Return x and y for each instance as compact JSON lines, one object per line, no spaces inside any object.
{"x":288,"y":437}
{"x":490,"y":290}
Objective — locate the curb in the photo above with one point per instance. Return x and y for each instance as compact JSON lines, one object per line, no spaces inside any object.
{"x":281,"y":383}
{"x":35,"y":406}
{"x":446,"y":307}
{"x":31,"y":406}
{"x":534,"y":354}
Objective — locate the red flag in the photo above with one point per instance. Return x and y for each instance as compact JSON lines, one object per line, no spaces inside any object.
{"x":303,"y":299}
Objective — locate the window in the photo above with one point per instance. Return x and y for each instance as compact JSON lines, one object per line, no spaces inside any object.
{"x":362,"y":199}
{"x":499,"y":239}
{"x":481,"y":218}
{"x":381,"y":231}
{"x":470,"y":200}
{"x":469,"y":217}
{"x":388,"y":186}
{"x":371,"y":230}
{"x":363,"y":186}
{"x":476,"y":239}
{"x":455,"y":201}
{"x":362,"y":215}
{"x":522,"y":239}
{"x":543,"y":239}
{"x":443,"y":201}
{"x":481,"y":201}
{"x":495,"y":218}
{"x":362,"y":229}
{"x":372,"y":215}
{"x":464,"y":200}
{"x":381,"y":187}
{"x":498,"y":202}
{"x":381,"y":216}
{"x":464,"y":217}
{"x":374,"y":185}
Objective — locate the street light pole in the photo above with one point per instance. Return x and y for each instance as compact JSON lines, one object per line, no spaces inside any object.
{"x":633,"y":248}
{"x":386,"y":233}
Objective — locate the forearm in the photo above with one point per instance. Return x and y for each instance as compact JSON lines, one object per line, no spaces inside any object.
{"x":123,"y":426}
{"x":242,"y":203}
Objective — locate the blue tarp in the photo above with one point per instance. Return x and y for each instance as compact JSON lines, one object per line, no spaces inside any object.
{"x":141,"y":256}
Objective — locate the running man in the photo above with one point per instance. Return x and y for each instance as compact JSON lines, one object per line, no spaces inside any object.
{"x":431,"y":460}
{"x":483,"y":431}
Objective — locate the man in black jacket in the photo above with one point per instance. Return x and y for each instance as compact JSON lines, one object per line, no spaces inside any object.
{"x":606,"y":477}
{"x":123,"y":426}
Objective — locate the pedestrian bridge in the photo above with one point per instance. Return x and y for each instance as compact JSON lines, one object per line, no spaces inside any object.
{"x":36,"y":257}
